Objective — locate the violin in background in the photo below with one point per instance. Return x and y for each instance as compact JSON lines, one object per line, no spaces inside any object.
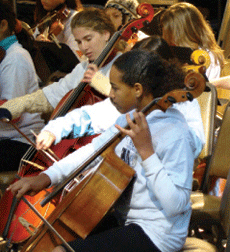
{"x":52,"y":25}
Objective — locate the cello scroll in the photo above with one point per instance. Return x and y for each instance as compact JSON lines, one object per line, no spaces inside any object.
{"x":201,"y":60}
{"x":146,"y":11}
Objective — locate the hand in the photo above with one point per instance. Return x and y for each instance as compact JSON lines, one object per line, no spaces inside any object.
{"x":41,"y":37}
{"x":140,"y":134}
{"x":44,"y":140}
{"x":89,"y":73}
{"x":29,"y":185}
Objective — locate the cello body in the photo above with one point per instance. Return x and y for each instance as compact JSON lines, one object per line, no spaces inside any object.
{"x":24,"y":221}
{"x":85,"y":205}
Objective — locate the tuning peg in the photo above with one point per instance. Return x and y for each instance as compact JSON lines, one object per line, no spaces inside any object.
{"x":189,"y":96}
{"x":171,"y":99}
{"x":134,"y":29}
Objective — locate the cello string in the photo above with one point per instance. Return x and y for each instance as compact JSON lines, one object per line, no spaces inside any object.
{"x":28,"y":156}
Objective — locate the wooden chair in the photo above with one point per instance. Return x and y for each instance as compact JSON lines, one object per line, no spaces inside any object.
{"x":194,"y":244}
{"x":212,"y":213}
{"x":208,"y":106}
{"x":218,"y":165}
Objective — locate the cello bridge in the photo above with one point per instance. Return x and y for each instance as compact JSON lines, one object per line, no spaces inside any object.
{"x":28,"y":226}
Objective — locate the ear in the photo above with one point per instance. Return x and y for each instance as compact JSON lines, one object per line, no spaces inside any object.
{"x":138,"y":89}
{"x":106,"y":35}
{"x":3,"y":26}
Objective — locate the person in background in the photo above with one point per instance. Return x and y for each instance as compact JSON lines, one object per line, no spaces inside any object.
{"x":160,"y":148}
{"x":156,"y":44}
{"x":17,"y":78}
{"x":121,"y":12}
{"x":44,"y":8}
{"x":184,"y":25}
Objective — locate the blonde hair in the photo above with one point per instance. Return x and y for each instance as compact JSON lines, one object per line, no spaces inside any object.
{"x":184,"y":25}
{"x":93,"y":18}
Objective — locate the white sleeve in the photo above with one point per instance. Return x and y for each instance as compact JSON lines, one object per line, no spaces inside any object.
{"x":16,"y":76}
{"x":173,"y":196}
{"x":63,"y":168}
{"x":192,"y":114}
{"x":214,"y":70}
{"x":87,"y":120}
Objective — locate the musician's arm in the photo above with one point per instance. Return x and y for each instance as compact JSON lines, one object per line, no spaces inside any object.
{"x":170,"y":178}
{"x":77,"y":122}
{"x":223,"y":82}
{"x":87,"y":120}
{"x":35,"y":102}
{"x":167,"y":162}
{"x":41,"y":101}
{"x":63,"y":168}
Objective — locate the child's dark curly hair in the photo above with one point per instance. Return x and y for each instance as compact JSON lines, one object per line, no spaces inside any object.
{"x":156,"y":75}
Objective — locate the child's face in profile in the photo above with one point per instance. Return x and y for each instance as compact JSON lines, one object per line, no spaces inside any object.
{"x":115,"y":16}
{"x":122,"y":95}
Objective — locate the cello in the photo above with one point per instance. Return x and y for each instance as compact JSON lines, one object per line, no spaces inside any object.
{"x":26,"y":170}
{"x":92,"y":198}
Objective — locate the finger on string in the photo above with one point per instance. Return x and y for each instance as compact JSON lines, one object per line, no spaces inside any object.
{"x":124,"y":131}
{"x":137,"y":117}
{"x":143,"y":120}
{"x":92,"y":67}
{"x":39,"y":145}
{"x":130,"y":122}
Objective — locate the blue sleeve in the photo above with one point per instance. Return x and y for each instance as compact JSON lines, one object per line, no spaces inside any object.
{"x":77,"y":122}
